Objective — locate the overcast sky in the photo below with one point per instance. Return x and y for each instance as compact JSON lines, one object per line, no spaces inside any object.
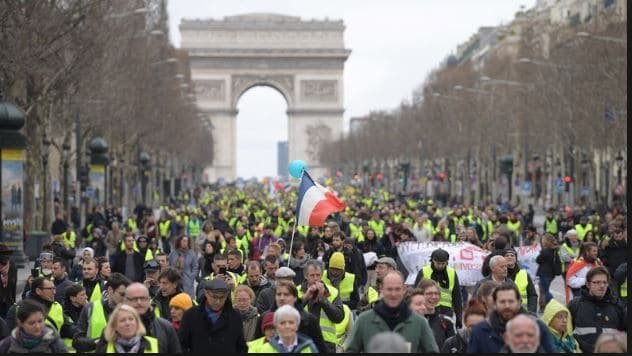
{"x":394,"y":44}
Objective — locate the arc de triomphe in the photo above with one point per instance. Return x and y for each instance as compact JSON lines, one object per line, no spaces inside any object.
{"x":303,"y":60}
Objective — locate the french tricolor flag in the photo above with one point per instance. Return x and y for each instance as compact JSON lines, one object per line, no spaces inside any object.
{"x":315,"y":202}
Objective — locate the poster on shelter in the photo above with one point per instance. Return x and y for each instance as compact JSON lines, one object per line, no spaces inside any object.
{"x":12,"y":197}
{"x":97,"y":182}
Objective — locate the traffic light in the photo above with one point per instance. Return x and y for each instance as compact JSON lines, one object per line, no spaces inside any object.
{"x":567,"y":183}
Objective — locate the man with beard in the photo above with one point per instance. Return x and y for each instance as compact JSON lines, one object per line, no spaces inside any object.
{"x":596,"y":310}
{"x":487,"y":336}
{"x":137,"y":296}
{"x":345,"y":282}
{"x":255,"y":280}
{"x":438,"y":270}
{"x":60,"y":278}
{"x":528,"y":295}
{"x":522,"y":336}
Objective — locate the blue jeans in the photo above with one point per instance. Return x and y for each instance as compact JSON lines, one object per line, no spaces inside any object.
{"x":545,"y":288}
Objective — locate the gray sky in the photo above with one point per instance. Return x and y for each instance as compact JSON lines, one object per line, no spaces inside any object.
{"x":394,"y":44}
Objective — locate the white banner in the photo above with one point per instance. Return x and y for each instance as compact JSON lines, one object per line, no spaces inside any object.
{"x":465,"y":258}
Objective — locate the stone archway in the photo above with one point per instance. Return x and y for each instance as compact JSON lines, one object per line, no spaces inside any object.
{"x":303,"y":60}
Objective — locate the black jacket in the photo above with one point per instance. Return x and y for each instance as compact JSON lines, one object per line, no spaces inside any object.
{"x":198,"y":334}
{"x":119,"y":265}
{"x":80,"y":341}
{"x":59,"y":250}
{"x":614,"y":254}
{"x":549,"y":263}
{"x":72,"y":311}
{"x":162,"y":303}
{"x":162,"y":330}
{"x":265,"y":299}
{"x":61,"y":285}
{"x":456,"y":344}
{"x":310,"y":326}
{"x":442,"y":328}
{"x":591,"y":316}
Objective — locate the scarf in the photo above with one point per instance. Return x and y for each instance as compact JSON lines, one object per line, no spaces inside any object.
{"x":28,"y":341}
{"x":299,"y":262}
{"x":564,"y":344}
{"x":130,"y":346}
{"x":392,"y":316}
{"x":4,"y":274}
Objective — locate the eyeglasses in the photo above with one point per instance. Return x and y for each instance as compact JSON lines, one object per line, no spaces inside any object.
{"x":137,"y":299}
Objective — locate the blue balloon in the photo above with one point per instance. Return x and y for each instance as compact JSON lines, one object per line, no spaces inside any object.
{"x":296,"y":168}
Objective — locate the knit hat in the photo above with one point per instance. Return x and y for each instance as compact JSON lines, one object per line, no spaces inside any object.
{"x":337,"y":260}
{"x":182,"y":301}
{"x":439,"y":255}
{"x":268,"y":320}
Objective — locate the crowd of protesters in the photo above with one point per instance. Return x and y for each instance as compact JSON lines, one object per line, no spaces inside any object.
{"x":224,"y":269}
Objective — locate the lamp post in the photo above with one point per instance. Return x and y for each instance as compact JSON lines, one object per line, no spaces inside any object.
{"x":143,"y":159}
{"x":66,"y":157}
{"x":98,"y":168}
{"x":12,"y":145}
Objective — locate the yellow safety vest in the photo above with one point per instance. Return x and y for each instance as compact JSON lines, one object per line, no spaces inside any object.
{"x":69,"y":239}
{"x":132,"y":224}
{"x":551,"y":227}
{"x":515,"y":227}
{"x":194,"y":227}
{"x":97,"y":321}
{"x":446,"y":294}
{"x":153,"y":346}
{"x":55,"y":319}
{"x":341,"y":327}
{"x":378,"y":227}
{"x":623,"y":291}
{"x":163,"y":227}
{"x":327,"y":326}
{"x":346,"y":285}
{"x":521,"y":280}
{"x":581,"y":231}
{"x":372,"y":295}
{"x":96,"y":292}
{"x":255,"y":345}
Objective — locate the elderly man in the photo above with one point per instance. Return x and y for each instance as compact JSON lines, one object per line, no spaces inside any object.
{"x":522,"y":336}
{"x":498,"y":268}
{"x":391,"y":313}
{"x":213,"y":326}
{"x":137,"y":296}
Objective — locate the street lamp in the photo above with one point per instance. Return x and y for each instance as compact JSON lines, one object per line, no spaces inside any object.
{"x":143,"y":159}
{"x":602,"y":38}
{"x":98,"y":168}
{"x":66,"y":157}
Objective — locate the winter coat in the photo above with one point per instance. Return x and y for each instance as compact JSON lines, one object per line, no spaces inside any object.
{"x":249,"y":319}
{"x":81,"y":341}
{"x":264,"y":283}
{"x":4,"y":330}
{"x":51,"y":343}
{"x":442,"y":328}
{"x":614,"y":254}
{"x":60,"y":292}
{"x":456,"y":344}
{"x":189,"y":269}
{"x":486,"y":336}
{"x":414,"y":329}
{"x":162,"y":303}
{"x":591,"y":317}
{"x":199,"y":334}
{"x":162,"y":330}
{"x":139,"y":261}
{"x":564,"y":343}
{"x":549,"y":263}
{"x":304,"y":345}
{"x":265,"y":299}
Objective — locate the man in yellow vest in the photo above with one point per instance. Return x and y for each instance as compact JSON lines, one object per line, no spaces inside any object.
{"x":94,"y":316}
{"x":583,"y":227}
{"x":164,"y":230}
{"x":69,"y":237}
{"x":322,"y":301}
{"x":450,"y":300}
{"x":528,"y":295}
{"x":621,"y":279}
{"x":345,"y":282}
{"x":91,"y":282}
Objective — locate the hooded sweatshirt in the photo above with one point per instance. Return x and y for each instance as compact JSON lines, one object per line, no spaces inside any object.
{"x":564,"y":343}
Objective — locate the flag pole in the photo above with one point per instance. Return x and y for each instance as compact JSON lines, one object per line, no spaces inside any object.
{"x":289,"y":255}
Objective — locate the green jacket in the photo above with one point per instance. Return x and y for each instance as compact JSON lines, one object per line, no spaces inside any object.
{"x":415,"y":330}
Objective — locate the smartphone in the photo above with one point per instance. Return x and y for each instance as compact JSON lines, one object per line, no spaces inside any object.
{"x":222,"y":270}
{"x":34,"y":272}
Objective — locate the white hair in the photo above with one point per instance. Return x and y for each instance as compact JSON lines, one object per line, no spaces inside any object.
{"x":388,"y":342}
{"x":524,"y":317}
{"x":494,"y":260}
{"x":284,"y":311}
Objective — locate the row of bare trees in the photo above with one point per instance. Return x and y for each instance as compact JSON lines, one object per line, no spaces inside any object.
{"x":553,"y":100}
{"x":83,"y":68}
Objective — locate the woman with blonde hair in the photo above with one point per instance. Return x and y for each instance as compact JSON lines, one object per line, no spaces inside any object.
{"x":125,"y":333}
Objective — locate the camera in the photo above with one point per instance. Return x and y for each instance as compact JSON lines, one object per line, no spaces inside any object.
{"x":222,"y":270}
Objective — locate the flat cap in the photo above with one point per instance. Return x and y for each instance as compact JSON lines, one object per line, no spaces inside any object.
{"x":388,"y":261}
{"x":217,"y":284}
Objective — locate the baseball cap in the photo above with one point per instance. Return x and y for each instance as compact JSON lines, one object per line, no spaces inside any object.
{"x":388,"y":261}
{"x":284,"y":272}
